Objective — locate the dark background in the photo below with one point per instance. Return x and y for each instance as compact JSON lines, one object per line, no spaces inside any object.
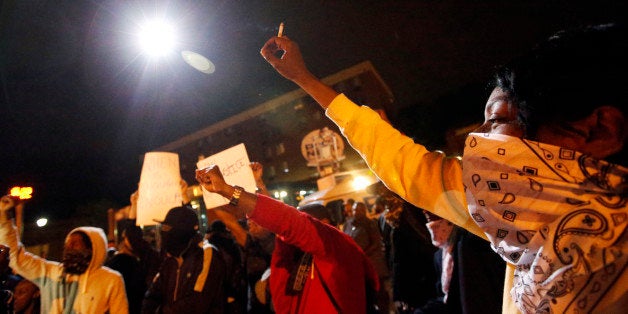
{"x":80,"y":104}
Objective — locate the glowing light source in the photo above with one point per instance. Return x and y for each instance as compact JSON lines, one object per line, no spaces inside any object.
{"x":23,"y":193}
{"x":360,"y":183}
{"x":157,"y":38}
{"x":42,"y":222}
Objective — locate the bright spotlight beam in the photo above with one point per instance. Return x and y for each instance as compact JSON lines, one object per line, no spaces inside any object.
{"x":157,"y":38}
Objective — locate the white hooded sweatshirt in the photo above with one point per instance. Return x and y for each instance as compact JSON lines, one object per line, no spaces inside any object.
{"x":98,"y":290}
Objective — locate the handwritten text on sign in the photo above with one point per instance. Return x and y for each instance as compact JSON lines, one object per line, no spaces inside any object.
{"x":235,"y":167}
{"x":159,"y":188}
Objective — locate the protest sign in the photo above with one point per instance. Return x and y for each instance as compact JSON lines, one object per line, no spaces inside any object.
{"x":235,"y":167}
{"x":159,"y":188}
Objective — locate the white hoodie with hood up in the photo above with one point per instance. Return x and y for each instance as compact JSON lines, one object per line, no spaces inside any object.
{"x":98,"y":290}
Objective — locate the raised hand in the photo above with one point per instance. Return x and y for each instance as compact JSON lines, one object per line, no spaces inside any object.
{"x":6,"y":203}
{"x":285,"y":56}
{"x":212,"y":180}
{"x":258,"y":171}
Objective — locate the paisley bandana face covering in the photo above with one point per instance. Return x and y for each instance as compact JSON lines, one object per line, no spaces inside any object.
{"x":559,"y":216}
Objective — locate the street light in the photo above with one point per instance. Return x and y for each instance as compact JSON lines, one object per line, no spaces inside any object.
{"x":157,"y":38}
{"x":42,"y":222}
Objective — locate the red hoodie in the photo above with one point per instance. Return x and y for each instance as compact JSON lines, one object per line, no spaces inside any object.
{"x":336,"y":258}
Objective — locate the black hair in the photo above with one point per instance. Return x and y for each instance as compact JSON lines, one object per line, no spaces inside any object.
{"x":567,"y":76}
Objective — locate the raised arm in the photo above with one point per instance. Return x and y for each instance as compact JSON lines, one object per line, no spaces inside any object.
{"x":185,"y":198}
{"x":133,"y":209}
{"x":258,"y":171}
{"x":291,"y":66}
{"x":212,"y":180}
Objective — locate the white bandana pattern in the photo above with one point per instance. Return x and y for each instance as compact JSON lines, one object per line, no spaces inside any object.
{"x":554,"y":213}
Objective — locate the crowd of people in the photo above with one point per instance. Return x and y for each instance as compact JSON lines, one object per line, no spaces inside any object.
{"x":531,"y":219}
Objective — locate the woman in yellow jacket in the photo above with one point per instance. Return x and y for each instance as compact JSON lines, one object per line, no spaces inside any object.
{"x":539,"y":178}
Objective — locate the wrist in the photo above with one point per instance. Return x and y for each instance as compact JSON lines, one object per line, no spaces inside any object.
{"x":235,"y":195}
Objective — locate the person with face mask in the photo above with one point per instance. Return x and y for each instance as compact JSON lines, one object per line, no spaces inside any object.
{"x":78,"y":284}
{"x":192,"y":275}
{"x":543,"y":178}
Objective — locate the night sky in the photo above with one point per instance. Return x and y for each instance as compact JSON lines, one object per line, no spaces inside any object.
{"x":80,"y":104}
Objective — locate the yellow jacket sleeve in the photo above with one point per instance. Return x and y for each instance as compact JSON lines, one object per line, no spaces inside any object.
{"x":427,"y":179}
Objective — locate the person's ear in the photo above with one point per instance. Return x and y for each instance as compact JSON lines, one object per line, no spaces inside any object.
{"x":608,"y":132}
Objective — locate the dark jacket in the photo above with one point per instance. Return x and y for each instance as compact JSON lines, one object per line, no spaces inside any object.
{"x":236,"y":291}
{"x":477,"y":277}
{"x":134,"y":278}
{"x":412,"y":259}
{"x":181,"y":289}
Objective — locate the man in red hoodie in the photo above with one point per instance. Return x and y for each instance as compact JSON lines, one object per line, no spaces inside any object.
{"x":315,"y":267}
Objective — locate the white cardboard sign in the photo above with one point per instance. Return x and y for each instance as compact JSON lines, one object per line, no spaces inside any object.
{"x":235,"y":167}
{"x":159,"y":187}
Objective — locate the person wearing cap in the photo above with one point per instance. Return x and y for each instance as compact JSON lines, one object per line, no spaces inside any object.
{"x":315,"y":268}
{"x":192,"y":275}
{"x":78,"y":284}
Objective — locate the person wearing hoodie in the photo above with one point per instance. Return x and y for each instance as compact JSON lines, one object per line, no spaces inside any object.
{"x":192,"y":276}
{"x":78,"y":284}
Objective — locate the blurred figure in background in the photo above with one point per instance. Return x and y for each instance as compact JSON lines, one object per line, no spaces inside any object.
{"x":411,"y":256}
{"x":127,"y":261}
{"x":368,"y":236}
{"x":469,"y":271}
{"x":348,"y":213}
{"x":236,"y":287}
